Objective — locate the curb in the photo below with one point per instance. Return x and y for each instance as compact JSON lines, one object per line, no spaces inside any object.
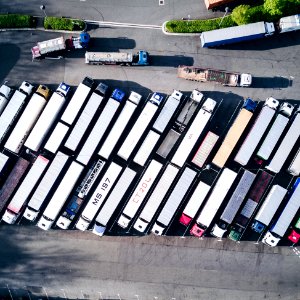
{"x":40,"y":29}
{"x":164,"y":30}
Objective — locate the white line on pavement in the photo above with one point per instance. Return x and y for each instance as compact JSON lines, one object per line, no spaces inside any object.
{"x":130,"y":25}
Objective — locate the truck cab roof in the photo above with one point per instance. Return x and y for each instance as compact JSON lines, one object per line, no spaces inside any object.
{"x":271,"y":102}
{"x":44,"y":91}
{"x":135,"y":97}
{"x":156,"y":98}
{"x":63,"y":89}
{"x":250,"y":105}
{"x":196,"y":95}
{"x":26,"y":88}
{"x":5,"y":90}
{"x":118,"y":95}
{"x":286,"y":109}
{"x":102,"y":88}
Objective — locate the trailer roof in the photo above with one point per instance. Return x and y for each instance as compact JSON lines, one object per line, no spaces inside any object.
{"x":233,"y":32}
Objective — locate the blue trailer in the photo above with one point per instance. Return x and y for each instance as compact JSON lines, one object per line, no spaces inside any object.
{"x":236,"y":34}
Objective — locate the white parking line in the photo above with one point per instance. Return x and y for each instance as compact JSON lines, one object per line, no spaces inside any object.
{"x":128,"y":25}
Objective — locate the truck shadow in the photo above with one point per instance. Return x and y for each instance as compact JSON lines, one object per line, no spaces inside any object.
{"x":277,"y":82}
{"x":111,"y":44}
{"x":9,"y":54}
{"x":170,"y":61}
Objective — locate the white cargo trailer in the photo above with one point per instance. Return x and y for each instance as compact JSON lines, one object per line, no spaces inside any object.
{"x":156,"y":198}
{"x":16,"y":204}
{"x":138,"y":129}
{"x":194,"y":203}
{"x":233,"y":204}
{"x":279,"y":228}
{"x":83,"y":122}
{"x":10,"y":112}
{"x":113,"y":201}
{"x":60,"y":195}
{"x":3,"y":160}
{"x":25,"y":123}
{"x":139,"y":194}
{"x":173,"y":201}
{"x":167,"y":111}
{"x":258,"y":129}
{"x":193,"y":133}
{"x":45,"y":121}
{"x":98,"y":130}
{"x":181,"y":123}
{"x":294,"y":167}
{"x":120,"y":125}
{"x":214,"y":202}
{"x":286,"y":145}
{"x":77,"y":100}
{"x":47,"y":182}
{"x":56,"y":137}
{"x":279,"y":125}
{"x":205,"y":149}
{"x":146,"y":148}
{"x":268,"y":209}
{"x":5,"y":94}
{"x":99,"y":196}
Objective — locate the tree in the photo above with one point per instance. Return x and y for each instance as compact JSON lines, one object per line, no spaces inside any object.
{"x":275,"y":7}
{"x":240,"y":14}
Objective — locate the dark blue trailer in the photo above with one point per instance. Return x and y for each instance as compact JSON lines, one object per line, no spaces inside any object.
{"x":236,"y":34}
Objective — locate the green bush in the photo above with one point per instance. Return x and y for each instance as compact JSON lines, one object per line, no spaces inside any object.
{"x":63,"y":24}
{"x":16,"y":21}
{"x":197,"y":26}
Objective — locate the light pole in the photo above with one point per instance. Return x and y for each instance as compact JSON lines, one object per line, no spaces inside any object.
{"x":227,"y":10}
{"x":43,"y":8}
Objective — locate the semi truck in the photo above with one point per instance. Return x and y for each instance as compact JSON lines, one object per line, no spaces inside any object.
{"x":27,"y":120}
{"x":234,"y":133}
{"x":256,"y":132}
{"x":100,"y":127}
{"x":286,"y":146}
{"x":194,"y":132}
{"x":216,"y":76}
{"x":181,"y":123}
{"x":14,"y":107}
{"x":99,"y":196}
{"x":77,"y":100}
{"x":174,"y":200}
{"x":5,"y":93}
{"x":86,"y":117}
{"x":280,"y":226}
{"x":213,"y":202}
{"x":47,"y":117}
{"x":194,"y":203}
{"x":59,"y":45}
{"x":290,"y":23}
{"x":76,"y":201}
{"x":294,"y":167}
{"x":294,"y":236}
{"x":60,"y":195}
{"x":114,"y":199}
{"x":140,"y":126}
{"x":139,"y":194}
{"x":16,"y":204}
{"x":120,"y":125}
{"x":156,"y":198}
{"x":141,"y":58}
{"x":37,"y":199}
{"x":58,"y":134}
{"x":256,"y":193}
{"x":158,"y":127}
{"x":205,"y":149}
{"x":233,"y":204}
{"x":275,"y":132}
{"x":13,"y":180}
{"x":236,"y":34}
{"x":268,"y":209}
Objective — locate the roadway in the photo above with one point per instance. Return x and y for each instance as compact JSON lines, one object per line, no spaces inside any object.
{"x":79,"y":265}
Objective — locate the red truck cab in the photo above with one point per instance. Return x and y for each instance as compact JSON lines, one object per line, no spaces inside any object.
{"x":197,"y":231}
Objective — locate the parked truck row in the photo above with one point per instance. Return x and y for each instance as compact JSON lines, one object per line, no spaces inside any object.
{"x":66,"y":135}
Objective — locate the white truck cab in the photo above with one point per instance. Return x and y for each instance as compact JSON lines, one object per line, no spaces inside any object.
{"x":245,"y":80}
{"x":99,"y":230}
{"x":196,"y":95}
{"x":26,"y":88}
{"x":270,"y":240}
{"x":157,"y":229}
{"x":45,"y":223}
{"x":135,"y":98}
{"x":286,"y":109}
{"x":271,"y":102}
